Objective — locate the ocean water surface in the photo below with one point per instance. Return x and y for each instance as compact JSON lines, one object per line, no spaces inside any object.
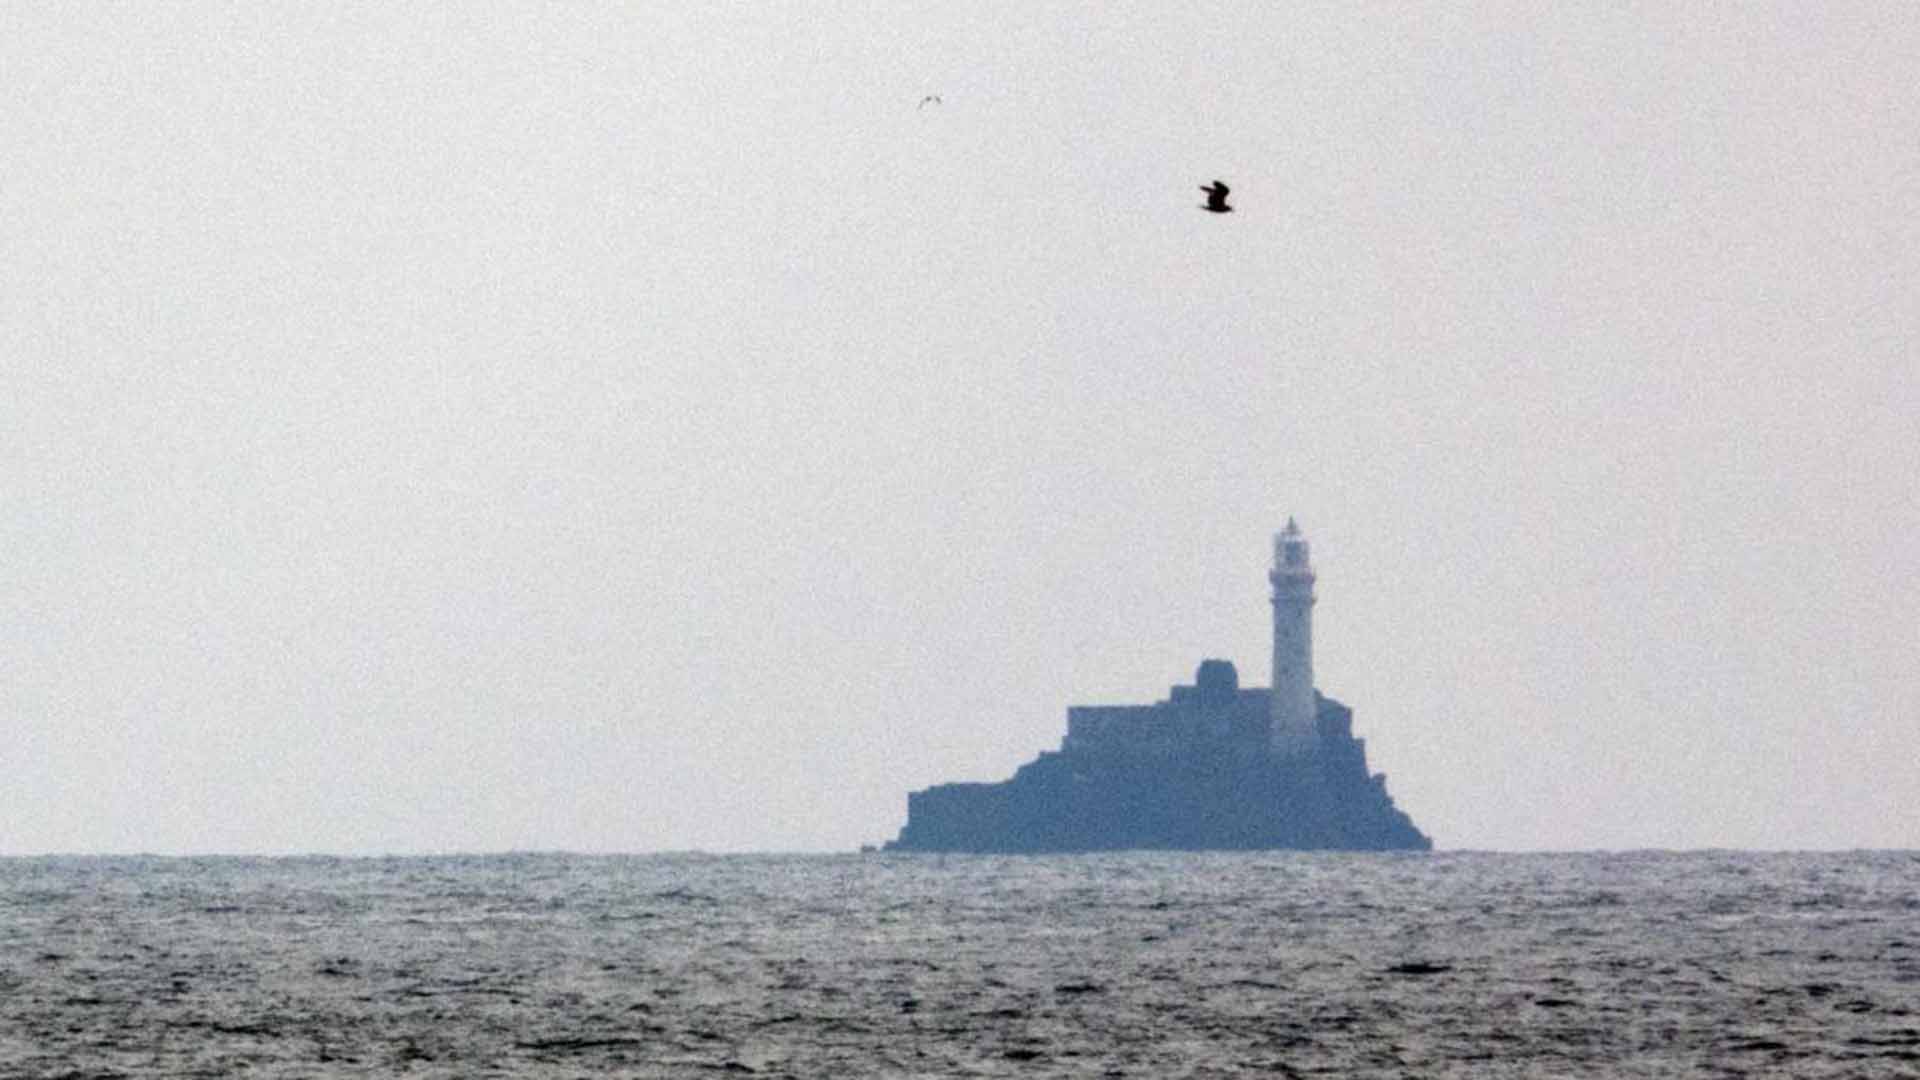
{"x":1125,"y":965}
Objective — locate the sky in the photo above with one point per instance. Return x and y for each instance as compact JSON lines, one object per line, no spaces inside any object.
{"x":650,"y":427}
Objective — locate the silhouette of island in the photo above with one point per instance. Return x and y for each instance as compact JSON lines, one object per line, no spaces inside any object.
{"x":1216,"y":766}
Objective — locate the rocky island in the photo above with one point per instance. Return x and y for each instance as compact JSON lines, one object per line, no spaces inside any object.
{"x":1216,"y":766}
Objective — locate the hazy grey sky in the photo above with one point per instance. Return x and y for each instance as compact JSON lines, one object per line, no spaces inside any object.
{"x":643,"y":426}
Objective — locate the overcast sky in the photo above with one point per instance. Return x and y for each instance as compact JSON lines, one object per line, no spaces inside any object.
{"x":648,"y":427}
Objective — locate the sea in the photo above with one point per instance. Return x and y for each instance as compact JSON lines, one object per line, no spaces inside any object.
{"x":1451,"y":964}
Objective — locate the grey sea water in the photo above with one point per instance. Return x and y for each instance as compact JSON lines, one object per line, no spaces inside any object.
{"x":1142,"y":965}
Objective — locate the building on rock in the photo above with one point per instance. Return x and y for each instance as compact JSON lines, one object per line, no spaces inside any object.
{"x":1213,"y":767}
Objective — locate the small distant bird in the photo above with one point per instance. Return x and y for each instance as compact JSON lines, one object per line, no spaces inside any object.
{"x":931,"y":99}
{"x":1216,"y":198}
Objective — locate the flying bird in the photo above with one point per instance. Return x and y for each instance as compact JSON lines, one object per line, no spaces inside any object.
{"x":931,"y":99}
{"x":1216,"y":198}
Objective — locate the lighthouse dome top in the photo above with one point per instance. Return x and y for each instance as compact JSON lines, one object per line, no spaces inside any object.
{"x":1290,"y":548}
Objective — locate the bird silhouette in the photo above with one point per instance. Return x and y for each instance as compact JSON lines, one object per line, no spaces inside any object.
{"x":930,"y":99}
{"x":1216,"y":198}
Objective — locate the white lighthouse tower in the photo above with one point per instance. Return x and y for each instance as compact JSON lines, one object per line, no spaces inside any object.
{"x":1294,"y":730}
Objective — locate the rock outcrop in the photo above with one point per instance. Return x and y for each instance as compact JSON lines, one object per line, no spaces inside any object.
{"x":1195,"y":772}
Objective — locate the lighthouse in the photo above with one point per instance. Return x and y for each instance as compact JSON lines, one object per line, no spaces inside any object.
{"x":1293,"y":730}
{"x":1212,"y":766}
